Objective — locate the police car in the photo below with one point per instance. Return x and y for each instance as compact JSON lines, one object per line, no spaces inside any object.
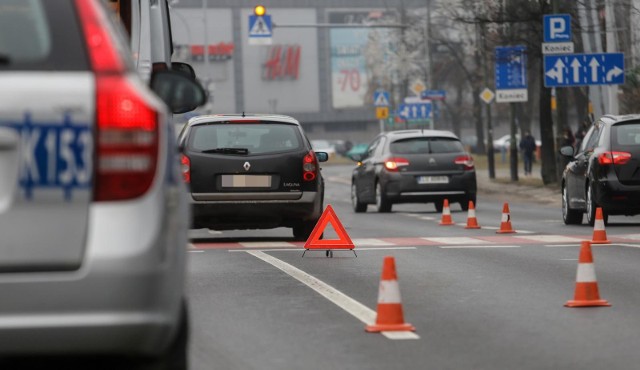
{"x":93,"y":215}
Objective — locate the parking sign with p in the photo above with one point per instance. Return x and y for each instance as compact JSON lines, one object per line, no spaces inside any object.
{"x":557,"y":28}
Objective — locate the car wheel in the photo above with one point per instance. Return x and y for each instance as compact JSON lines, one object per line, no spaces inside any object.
{"x":358,"y":207}
{"x":591,"y":206}
{"x":465,"y":203}
{"x":382,"y":203}
{"x":175,"y":356}
{"x":303,"y":231}
{"x":569,"y":216}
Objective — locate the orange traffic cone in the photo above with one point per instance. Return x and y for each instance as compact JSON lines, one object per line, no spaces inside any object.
{"x":446,"y":214}
{"x":472,"y":222}
{"x":599,"y":234}
{"x":505,"y":225}
{"x":389,"y":316}
{"x":586,"y":294}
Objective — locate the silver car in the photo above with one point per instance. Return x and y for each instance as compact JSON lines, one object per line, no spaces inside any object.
{"x":93,"y":213}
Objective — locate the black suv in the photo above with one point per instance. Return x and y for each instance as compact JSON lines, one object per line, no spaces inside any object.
{"x":252,"y":172}
{"x":413,"y":166}
{"x":604,"y":171}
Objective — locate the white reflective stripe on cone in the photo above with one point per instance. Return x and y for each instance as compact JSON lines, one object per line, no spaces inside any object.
{"x":472,"y":213}
{"x":586,"y":273}
{"x":389,"y":292}
{"x":446,"y":211}
{"x":505,"y":217}
{"x":598,"y":225}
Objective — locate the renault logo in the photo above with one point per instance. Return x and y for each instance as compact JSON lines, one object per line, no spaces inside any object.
{"x":246,"y":166}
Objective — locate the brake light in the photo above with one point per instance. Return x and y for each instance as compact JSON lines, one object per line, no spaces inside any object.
{"x":185,"y":163}
{"x":127,"y":127}
{"x":466,"y":161}
{"x":102,"y":53}
{"x":394,"y":164}
{"x":309,"y":167}
{"x":614,"y":157}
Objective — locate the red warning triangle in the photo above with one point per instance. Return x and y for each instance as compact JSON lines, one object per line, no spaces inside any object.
{"x":329,"y":216}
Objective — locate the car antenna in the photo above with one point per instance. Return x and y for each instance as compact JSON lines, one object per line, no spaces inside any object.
{"x":243,"y":114}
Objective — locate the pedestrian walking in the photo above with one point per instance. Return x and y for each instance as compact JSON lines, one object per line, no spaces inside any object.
{"x":528,"y":147}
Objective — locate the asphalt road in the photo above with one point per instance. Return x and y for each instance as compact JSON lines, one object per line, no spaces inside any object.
{"x":478,"y":299}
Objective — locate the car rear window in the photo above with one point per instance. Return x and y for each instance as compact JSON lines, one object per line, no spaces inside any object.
{"x":40,"y":35}
{"x":257,"y":138}
{"x":625,"y":135}
{"x":426,"y":145}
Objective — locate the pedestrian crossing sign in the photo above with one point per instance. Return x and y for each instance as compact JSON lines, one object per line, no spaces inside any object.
{"x":260,"y":30}
{"x":381,"y":98}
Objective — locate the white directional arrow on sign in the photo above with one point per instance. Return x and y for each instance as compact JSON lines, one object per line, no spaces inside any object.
{"x":594,"y":69}
{"x":558,"y":72}
{"x":615,"y":72}
{"x":576,"y":70}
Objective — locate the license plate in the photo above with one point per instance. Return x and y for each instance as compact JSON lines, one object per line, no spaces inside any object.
{"x":433,"y":180}
{"x":246,"y":181}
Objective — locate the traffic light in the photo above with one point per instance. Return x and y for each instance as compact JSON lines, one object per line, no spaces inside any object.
{"x":259,"y":10}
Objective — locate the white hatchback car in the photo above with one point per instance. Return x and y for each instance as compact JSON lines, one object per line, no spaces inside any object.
{"x":93,"y":213}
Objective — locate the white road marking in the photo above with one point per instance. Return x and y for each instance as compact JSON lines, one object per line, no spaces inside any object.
{"x":625,"y":245}
{"x":456,"y":240}
{"x":322,"y":250}
{"x":568,"y":259}
{"x":490,"y":227}
{"x":561,"y":245}
{"x":631,"y":236}
{"x":353,"y":307}
{"x":266,"y":244}
{"x":477,"y":246}
{"x":427,"y":218}
{"x":551,"y":238}
{"x":524,"y":231}
{"x":359,"y":242}
{"x":200,"y":251}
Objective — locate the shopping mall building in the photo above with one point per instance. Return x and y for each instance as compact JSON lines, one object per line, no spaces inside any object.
{"x":317,"y":73}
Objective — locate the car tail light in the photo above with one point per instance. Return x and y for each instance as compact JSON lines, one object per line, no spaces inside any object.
{"x":614,"y":157}
{"x":185,"y":163}
{"x":466,"y":161}
{"x":394,"y":164}
{"x":127,"y":127}
{"x":309,"y":167}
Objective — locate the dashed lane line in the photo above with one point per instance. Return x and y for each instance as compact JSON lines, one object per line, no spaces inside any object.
{"x":476,"y":246}
{"x":353,"y":307}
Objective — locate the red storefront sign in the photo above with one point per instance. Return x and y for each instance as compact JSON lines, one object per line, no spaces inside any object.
{"x":283,"y":62}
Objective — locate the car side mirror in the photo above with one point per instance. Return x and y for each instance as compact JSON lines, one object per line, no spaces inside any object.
{"x":567,"y":151}
{"x":322,"y":156}
{"x":185,"y":68}
{"x":181,"y":93}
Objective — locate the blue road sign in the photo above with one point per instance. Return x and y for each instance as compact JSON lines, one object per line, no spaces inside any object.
{"x":260,"y":27}
{"x":413,"y":111}
{"x":583,"y":69}
{"x":433,"y":94}
{"x":557,"y":27}
{"x":381,"y":98}
{"x":511,"y":67}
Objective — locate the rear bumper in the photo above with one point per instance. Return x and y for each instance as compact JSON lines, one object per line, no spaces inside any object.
{"x":403,"y":188}
{"x":234,"y":214}
{"x":125,"y":298}
{"x":618,"y":199}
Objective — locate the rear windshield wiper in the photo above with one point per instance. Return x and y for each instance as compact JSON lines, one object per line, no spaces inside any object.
{"x":227,"y":150}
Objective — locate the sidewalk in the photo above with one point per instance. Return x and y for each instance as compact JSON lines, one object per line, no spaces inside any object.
{"x":502,"y":184}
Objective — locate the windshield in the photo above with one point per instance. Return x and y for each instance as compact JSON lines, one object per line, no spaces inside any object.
{"x":424,"y":145}
{"x":244,"y":138}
